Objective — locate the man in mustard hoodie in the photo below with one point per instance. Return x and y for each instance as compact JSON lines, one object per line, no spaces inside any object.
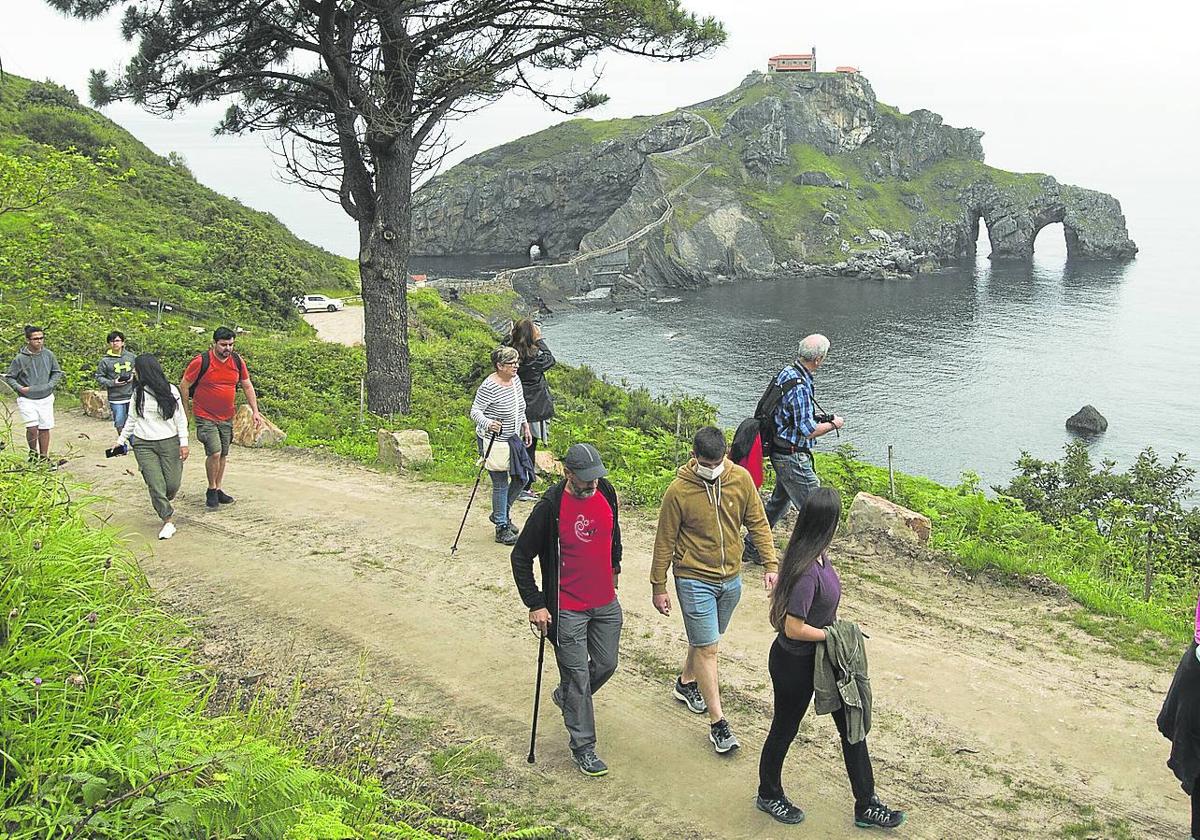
{"x":700,"y":538}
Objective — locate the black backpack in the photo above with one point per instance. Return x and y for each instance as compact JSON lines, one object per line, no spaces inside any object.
{"x":766,"y":409}
{"x":205,"y":360}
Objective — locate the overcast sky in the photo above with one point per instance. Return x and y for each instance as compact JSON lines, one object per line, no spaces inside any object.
{"x":1100,"y":93}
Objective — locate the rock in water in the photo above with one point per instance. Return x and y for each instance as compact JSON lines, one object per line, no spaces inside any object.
{"x":1087,"y":421}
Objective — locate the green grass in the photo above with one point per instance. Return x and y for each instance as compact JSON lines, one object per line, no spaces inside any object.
{"x":998,"y":535}
{"x":1094,"y":829}
{"x":564,"y":138}
{"x":104,"y":722}
{"x":156,"y":234}
{"x":508,"y":304}
{"x":466,"y":763}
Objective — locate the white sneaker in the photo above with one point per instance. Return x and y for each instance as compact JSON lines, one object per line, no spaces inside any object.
{"x":168,"y":531}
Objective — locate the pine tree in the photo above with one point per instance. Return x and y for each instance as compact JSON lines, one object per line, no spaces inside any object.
{"x":359,"y":93}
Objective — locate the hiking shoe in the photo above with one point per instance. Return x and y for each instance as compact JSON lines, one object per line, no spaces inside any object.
{"x":722,"y":737}
{"x":210,"y":499}
{"x":528,"y":496}
{"x":589,"y":763}
{"x":781,"y":809}
{"x":512,"y":527}
{"x":224,"y":498}
{"x":689,"y":693}
{"x":506,"y":535}
{"x":168,"y":531}
{"x":876,"y":815}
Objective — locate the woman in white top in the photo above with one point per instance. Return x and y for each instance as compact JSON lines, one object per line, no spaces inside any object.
{"x":158,"y":425}
{"x":499,"y":410}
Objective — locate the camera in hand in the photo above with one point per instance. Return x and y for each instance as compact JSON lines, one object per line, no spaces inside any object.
{"x":116,"y":451}
{"x":823,"y":418}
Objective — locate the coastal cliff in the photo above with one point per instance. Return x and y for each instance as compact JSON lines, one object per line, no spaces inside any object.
{"x":788,"y":174}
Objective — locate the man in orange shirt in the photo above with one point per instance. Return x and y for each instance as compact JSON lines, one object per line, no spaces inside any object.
{"x":208,"y":389}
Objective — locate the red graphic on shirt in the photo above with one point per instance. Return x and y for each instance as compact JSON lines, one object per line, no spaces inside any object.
{"x":585,"y":529}
{"x":585,"y":552}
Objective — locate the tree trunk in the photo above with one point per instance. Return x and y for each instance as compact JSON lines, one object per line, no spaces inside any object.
{"x":384,"y":246}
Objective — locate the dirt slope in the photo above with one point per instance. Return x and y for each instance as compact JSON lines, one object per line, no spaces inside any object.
{"x":994,"y":717}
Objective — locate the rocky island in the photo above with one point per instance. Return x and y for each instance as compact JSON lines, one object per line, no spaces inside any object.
{"x":788,"y":174}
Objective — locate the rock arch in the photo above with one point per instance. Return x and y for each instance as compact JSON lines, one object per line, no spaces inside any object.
{"x":1092,"y":222}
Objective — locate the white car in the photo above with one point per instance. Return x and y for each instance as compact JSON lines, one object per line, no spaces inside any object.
{"x":308,"y":303}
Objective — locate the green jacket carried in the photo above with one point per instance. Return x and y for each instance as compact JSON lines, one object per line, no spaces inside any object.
{"x":840,"y":678}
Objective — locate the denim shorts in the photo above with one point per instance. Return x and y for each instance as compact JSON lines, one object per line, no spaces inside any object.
{"x":707,"y":608}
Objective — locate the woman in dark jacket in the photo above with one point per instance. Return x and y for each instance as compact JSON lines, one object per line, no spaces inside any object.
{"x":535,"y":360}
{"x":1179,"y":722}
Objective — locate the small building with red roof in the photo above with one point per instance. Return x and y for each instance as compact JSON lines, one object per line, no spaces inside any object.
{"x":793,"y":62}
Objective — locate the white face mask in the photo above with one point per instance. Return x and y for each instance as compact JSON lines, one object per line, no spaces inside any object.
{"x":710,"y":473}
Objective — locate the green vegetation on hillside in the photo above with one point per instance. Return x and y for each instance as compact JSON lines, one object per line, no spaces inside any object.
{"x":105,"y":726}
{"x":792,"y":212}
{"x":565,"y":137}
{"x":153,"y":234}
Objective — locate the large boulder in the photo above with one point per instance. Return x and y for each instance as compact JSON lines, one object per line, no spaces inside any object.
{"x":245,"y":433}
{"x":546,"y":463}
{"x":813,"y":179}
{"x":95,"y":404}
{"x":404,"y":449}
{"x":870,"y":513}
{"x":1087,"y":421}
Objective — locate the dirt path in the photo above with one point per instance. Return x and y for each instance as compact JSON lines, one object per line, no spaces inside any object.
{"x":342,"y":327}
{"x":993,"y":716}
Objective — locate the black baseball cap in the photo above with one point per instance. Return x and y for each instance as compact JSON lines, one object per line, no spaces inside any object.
{"x":583,"y":460}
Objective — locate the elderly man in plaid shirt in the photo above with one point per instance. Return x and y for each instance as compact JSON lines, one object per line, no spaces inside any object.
{"x":795,"y":429}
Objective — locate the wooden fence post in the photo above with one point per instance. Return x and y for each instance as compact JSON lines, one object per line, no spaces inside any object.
{"x":891,"y":476}
{"x":1149,"y":554}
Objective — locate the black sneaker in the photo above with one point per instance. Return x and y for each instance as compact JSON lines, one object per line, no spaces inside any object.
{"x":877,"y":815}
{"x":589,"y":763}
{"x":781,"y":809}
{"x":689,"y":693}
{"x":224,"y":498}
{"x":210,"y":499}
{"x":506,"y":535}
{"x":722,"y":737}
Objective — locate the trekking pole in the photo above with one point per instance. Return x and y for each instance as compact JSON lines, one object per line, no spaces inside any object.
{"x":537,"y":697}
{"x":478,"y":476}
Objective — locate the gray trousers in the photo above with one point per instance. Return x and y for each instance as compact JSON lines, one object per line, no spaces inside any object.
{"x":587,"y":657}
{"x":161,"y":470}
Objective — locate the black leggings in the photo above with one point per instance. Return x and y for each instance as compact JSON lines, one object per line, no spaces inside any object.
{"x":792,"y":679}
{"x":532,"y":450}
{"x":1196,"y":809}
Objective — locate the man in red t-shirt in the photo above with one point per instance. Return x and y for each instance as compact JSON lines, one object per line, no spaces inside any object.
{"x":575,"y":532}
{"x":216,"y":374}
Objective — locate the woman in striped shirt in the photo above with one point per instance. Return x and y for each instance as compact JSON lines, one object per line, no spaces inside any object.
{"x":499,"y":410}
